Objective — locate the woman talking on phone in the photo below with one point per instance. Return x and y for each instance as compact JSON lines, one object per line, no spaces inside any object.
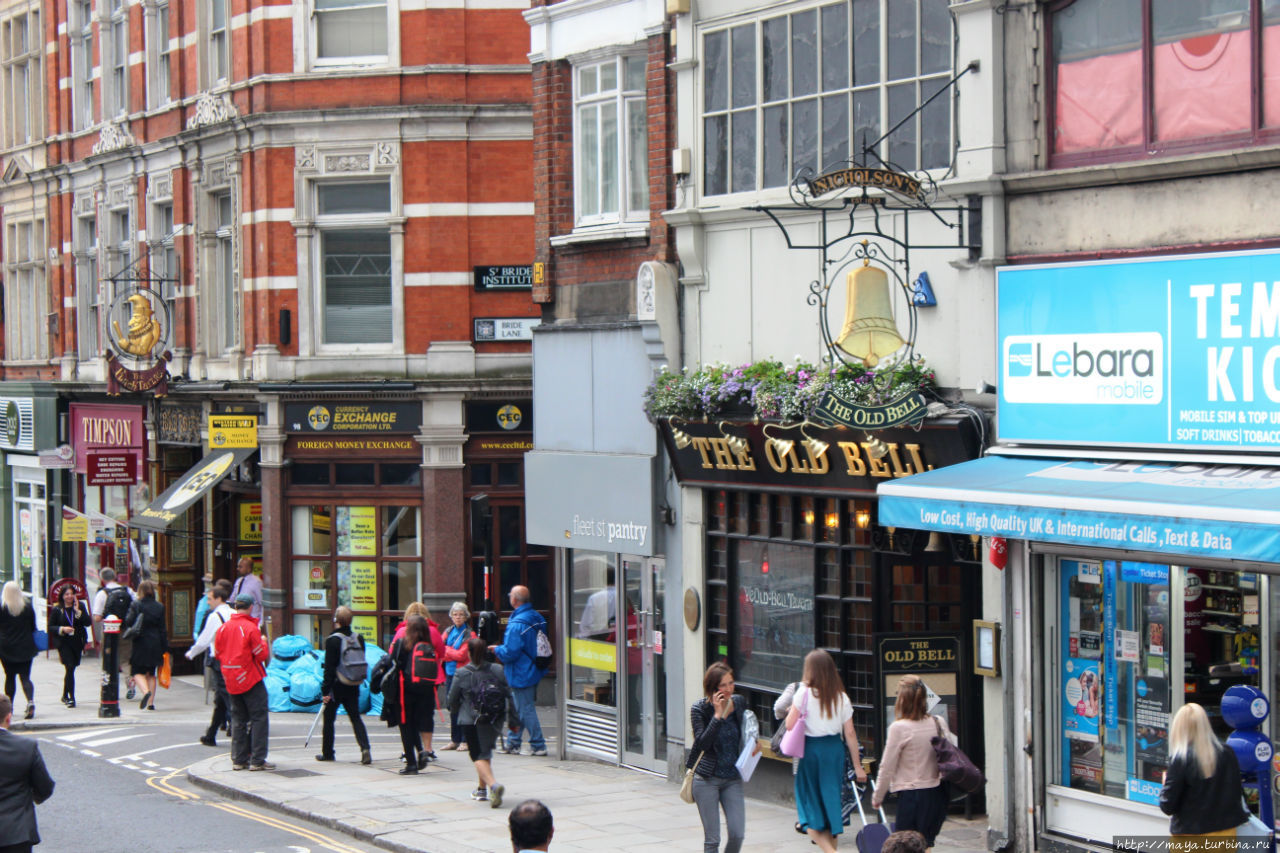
{"x":717,"y":733}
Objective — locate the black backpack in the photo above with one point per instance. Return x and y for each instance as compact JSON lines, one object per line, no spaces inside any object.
{"x":118,"y":601}
{"x":423,"y":666}
{"x":487,"y":698}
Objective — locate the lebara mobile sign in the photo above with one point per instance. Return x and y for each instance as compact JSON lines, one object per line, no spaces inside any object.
{"x":1164,"y":352}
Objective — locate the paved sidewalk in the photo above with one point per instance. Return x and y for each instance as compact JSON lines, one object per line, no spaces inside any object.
{"x":596,"y":806}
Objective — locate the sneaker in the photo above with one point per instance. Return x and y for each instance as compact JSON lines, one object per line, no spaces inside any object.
{"x":239,"y":766}
{"x":366,"y":757}
{"x":431,"y":754}
{"x":506,"y":750}
{"x":495,"y":796}
{"x":208,"y":741}
{"x":71,"y":703}
{"x":539,"y":752}
{"x":31,"y":711}
{"x":480,"y":795}
{"x":266,"y":765}
{"x":323,"y":757}
{"x":131,"y":694}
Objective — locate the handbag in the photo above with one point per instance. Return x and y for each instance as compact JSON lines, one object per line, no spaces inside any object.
{"x":686,"y":787}
{"x":953,"y":765}
{"x":775,"y":742}
{"x":165,"y":674}
{"x":792,"y":743}
{"x":134,"y":629}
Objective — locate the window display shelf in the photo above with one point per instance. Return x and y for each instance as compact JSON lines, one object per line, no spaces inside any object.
{"x":1234,"y":613}
{"x":1220,"y":629}
{"x":1219,"y":586}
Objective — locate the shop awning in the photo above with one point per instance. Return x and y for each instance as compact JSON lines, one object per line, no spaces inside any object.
{"x":189,"y":488}
{"x":1223,"y":511}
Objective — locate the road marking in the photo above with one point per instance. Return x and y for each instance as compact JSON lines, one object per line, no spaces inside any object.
{"x":85,"y":735}
{"x":138,"y":755}
{"x":165,"y":785}
{"x":91,"y":753}
{"x":110,"y":740}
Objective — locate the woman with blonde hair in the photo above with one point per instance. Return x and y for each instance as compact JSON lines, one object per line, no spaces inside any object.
{"x":436,"y":641}
{"x":909,"y":766}
{"x":823,"y":708}
{"x":17,"y":644}
{"x":1202,"y":793}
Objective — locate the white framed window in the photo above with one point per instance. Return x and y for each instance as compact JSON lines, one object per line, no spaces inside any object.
{"x":353,"y":248}
{"x":222,"y":302}
{"x":117,"y":55}
{"x":88,"y":290}
{"x":159,"y":56}
{"x":82,"y":63}
{"x":350,"y":31}
{"x":611,"y":141}
{"x":164,"y":256}
{"x":808,"y":89}
{"x":24,"y":270}
{"x":219,"y":44}
{"x":21,"y":75}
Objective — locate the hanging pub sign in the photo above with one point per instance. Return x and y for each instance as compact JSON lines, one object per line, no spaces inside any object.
{"x":138,"y":358}
{"x":833,"y":409}
{"x":885,"y":179}
{"x":97,"y":427}
{"x":833,"y":460}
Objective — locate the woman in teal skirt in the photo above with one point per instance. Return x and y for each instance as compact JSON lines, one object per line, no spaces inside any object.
{"x":823,"y":708}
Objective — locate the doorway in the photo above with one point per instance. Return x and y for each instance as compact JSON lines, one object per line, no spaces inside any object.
{"x":642,"y":662}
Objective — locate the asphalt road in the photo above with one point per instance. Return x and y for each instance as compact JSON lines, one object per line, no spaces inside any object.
{"x":121,"y":788}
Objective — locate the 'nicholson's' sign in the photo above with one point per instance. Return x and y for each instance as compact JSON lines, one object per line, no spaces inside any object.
{"x":895,"y":182}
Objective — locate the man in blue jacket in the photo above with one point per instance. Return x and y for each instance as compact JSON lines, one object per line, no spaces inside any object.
{"x":518,"y":654}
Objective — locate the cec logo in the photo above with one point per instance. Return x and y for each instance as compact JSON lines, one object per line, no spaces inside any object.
{"x":1097,"y":368}
{"x":318,"y":417}
{"x":509,"y":417}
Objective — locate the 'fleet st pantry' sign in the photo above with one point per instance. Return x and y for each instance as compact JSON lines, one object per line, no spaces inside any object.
{"x":1161,"y":352}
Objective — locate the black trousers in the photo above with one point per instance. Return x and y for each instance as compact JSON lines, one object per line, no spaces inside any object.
{"x":18,"y":671}
{"x":70,"y":657}
{"x":348,"y":696}
{"x":249,"y":721}
{"x":221,"y":703}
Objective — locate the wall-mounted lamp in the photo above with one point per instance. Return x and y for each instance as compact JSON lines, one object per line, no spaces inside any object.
{"x":782,"y":445}
{"x":815,"y":446}
{"x":679,"y":436}
{"x":736,"y":443}
{"x":807,"y":516}
{"x":876,"y":448}
{"x":832,"y":520}
{"x":862,"y":518}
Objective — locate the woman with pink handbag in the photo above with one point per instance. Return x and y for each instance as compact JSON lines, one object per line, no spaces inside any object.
{"x":822,"y":714}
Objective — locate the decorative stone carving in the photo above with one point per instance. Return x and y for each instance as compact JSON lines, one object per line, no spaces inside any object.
{"x":385,"y":154}
{"x":347,"y":163}
{"x":212,"y":109}
{"x":84,"y":204}
{"x":160,"y":185}
{"x":113,"y":137}
{"x":304,"y":156}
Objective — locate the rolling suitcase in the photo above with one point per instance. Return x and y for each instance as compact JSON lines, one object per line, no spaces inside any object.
{"x":872,"y":836}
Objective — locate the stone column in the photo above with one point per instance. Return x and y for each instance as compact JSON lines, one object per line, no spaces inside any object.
{"x":276,"y":570}
{"x":445,"y":563}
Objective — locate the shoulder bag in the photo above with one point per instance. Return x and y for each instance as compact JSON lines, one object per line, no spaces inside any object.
{"x":953,"y":765}
{"x":792,"y":744}
{"x":686,"y":787}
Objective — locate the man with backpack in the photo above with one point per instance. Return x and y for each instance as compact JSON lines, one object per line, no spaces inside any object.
{"x":526,"y":654}
{"x":218,"y":615}
{"x":481,"y":698}
{"x":112,"y":599}
{"x":345,"y":668}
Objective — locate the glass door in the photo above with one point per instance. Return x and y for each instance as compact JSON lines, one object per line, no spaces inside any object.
{"x":641,"y":657}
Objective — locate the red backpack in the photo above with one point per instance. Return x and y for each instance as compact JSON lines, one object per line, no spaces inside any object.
{"x":423,"y":666}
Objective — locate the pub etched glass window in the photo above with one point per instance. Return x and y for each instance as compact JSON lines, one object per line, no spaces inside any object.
{"x":351,"y":30}
{"x":355,"y":262}
{"x":611,"y":141}
{"x":810,"y":89}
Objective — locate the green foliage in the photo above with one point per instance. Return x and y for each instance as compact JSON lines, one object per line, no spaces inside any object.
{"x":771,"y":390}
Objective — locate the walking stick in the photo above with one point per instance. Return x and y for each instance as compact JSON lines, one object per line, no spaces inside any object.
{"x":313,"y":726}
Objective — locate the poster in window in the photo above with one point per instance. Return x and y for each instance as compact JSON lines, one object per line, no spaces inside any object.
{"x":1151,"y":720}
{"x":367,"y":627}
{"x":364,"y":585}
{"x":1082,"y":699}
{"x":357,"y":531}
{"x":775,"y":613}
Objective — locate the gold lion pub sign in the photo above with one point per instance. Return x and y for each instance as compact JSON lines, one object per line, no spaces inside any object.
{"x":138,"y":357}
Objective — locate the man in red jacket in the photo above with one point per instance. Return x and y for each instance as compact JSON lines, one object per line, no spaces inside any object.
{"x":243,"y":653}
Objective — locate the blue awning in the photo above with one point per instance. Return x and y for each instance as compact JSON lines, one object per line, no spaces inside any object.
{"x":1195,"y":510}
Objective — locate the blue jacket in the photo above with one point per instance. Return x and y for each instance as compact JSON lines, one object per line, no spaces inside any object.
{"x":520,"y":647}
{"x":202,"y":610}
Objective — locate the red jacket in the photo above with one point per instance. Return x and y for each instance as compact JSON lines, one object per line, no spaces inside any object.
{"x":242,"y":652}
{"x":437,"y":640}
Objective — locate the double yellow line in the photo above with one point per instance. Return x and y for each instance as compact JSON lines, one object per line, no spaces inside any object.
{"x":166,"y":786}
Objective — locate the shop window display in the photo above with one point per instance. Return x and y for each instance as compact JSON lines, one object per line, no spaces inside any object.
{"x":1120,"y":667}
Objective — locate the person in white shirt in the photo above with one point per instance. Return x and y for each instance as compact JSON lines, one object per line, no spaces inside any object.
{"x":600,"y":613}
{"x":124,"y":647}
{"x":219,"y":613}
